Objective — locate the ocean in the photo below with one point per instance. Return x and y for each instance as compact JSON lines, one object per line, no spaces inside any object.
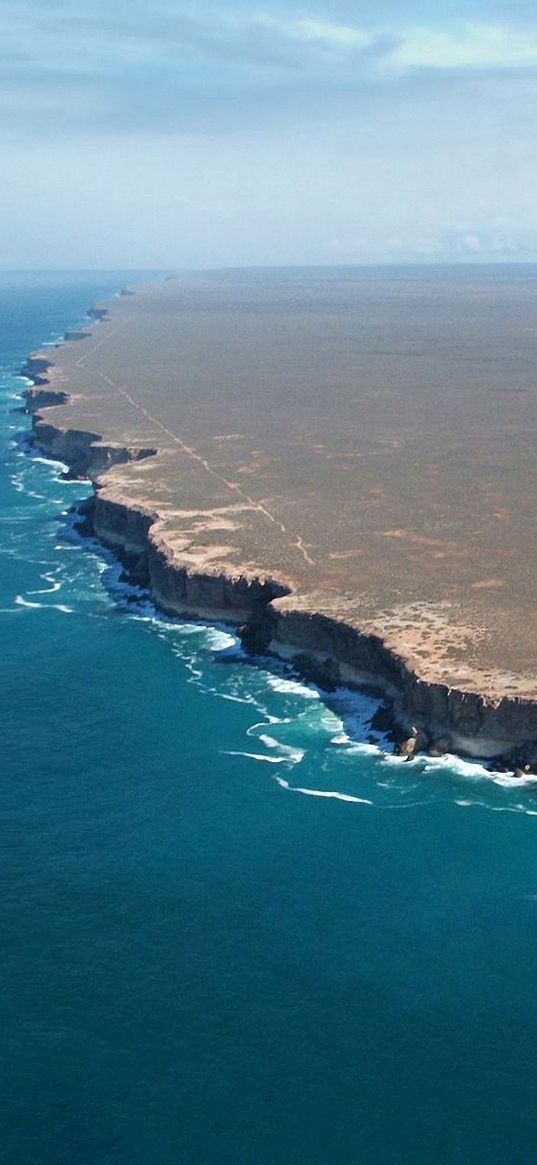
{"x":236,"y":931}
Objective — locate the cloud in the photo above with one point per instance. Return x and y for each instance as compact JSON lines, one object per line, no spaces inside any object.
{"x":178,"y":66}
{"x":135,"y":44}
{"x":468,"y":46}
{"x":309,"y":31}
{"x":305,"y":131}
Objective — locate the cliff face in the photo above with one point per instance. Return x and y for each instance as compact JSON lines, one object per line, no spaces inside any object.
{"x":123,"y":526}
{"x":84,"y":452}
{"x":178,"y":589}
{"x":35,"y":365}
{"x":42,"y":398}
{"x":327,"y":648}
{"x":76,"y":334}
{"x":344,"y":655}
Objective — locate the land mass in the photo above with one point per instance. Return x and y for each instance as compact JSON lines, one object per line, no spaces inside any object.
{"x":341,"y":462}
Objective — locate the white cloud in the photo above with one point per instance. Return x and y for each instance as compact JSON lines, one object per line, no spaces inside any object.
{"x":326,"y":33}
{"x":472,"y":243}
{"x":307,"y":31}
{"x":466,"y":46}
{"x":252,"y":135}
{"x":437,"y":46}
{"x":48,"y":39}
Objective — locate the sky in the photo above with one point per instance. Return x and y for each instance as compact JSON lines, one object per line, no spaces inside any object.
{"x":176,"y":135}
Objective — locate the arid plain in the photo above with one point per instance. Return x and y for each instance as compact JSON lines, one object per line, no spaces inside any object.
{"x":366,"y":438}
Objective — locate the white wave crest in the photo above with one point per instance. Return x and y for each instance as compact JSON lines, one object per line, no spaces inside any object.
{"x":331,"y":794}
{"x":28,"y":605}
{"x":219,"y":640}
{"x":22,"y":602}
{"x":271,"y":760}
{"x":287,"y":752}
{"x":292,"y":687}
{"x":54,"y":584}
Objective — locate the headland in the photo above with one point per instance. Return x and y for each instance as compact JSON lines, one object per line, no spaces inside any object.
{"x":340,"y":462}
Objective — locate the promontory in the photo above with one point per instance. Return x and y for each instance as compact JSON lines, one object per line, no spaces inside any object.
{"x":343,"y":462}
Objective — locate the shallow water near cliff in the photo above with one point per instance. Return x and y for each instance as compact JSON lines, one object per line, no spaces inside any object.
{"x":236,"y":931}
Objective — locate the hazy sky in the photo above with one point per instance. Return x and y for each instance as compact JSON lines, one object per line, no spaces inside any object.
{"x":170,"y":134}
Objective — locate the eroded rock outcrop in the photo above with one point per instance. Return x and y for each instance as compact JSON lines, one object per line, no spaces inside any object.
{"x":41,"y":398}
{"x":36,"y":366}
{"x":84,"y":452}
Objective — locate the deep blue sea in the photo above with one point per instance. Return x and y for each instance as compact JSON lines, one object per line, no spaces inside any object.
{"x":232,"y":933}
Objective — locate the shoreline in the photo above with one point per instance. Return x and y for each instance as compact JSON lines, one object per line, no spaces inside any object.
{"x":426,"y":715}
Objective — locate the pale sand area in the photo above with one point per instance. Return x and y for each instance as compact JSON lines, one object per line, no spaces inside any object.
{"x":367,"y":439}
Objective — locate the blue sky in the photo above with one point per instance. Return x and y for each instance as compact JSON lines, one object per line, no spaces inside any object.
{"x":181,"y":135}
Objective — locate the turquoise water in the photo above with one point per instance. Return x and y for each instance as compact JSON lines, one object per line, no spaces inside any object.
{"x":232,"y":933}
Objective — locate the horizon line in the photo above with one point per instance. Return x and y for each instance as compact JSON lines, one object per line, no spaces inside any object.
{"x":176,"y":271}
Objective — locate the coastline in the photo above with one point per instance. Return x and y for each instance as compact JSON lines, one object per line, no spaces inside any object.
{"x":271,"y":618}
